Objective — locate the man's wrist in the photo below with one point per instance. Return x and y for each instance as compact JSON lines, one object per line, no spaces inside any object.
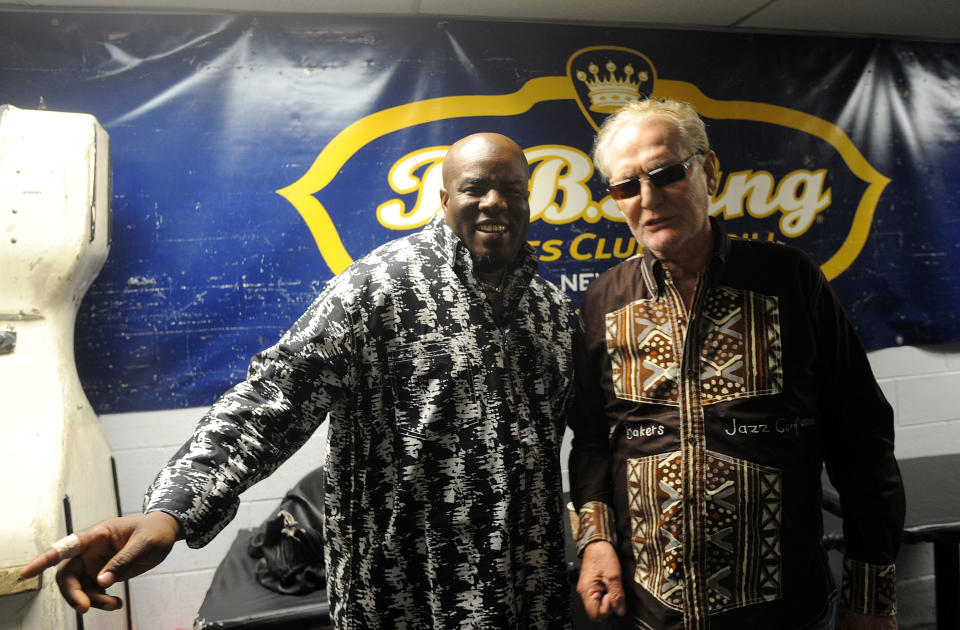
{"x":169,"y":520}
{"x":869,"y":589}
{"x":596,"y":524}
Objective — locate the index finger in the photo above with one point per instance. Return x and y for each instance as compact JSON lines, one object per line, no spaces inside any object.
{"x":67,"y":547}
{"x":49,"y":558}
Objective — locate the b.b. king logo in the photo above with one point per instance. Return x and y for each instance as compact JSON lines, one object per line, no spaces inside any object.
{"x":764,"y":192}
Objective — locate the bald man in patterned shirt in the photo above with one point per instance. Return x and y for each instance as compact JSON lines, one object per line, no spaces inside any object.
{"x":444,"y":364}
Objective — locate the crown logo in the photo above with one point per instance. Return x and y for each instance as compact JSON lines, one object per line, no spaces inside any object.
{"x":608,"y":94}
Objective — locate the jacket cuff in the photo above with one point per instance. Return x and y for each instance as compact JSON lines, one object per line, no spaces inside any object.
{"x":870,"y":589}
{"x":596,"y":523}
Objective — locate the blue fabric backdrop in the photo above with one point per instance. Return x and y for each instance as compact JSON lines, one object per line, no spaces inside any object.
{"x":255,"y":155}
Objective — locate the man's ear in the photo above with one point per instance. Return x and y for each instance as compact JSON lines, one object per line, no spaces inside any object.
{"x":711,"y":167}
{"x":444,"y":197}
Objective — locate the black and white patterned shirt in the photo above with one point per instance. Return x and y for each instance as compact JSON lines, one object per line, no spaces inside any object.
{"x":443,"y":496}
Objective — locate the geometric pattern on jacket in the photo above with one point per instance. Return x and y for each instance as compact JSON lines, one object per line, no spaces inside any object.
{"x":741,"y":357}
{"x":742,"y":535}
{"x":741,"y":354}
{"x":443,"y":496}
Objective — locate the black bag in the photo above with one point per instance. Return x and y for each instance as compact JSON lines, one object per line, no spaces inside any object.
{"x":289,"y":544}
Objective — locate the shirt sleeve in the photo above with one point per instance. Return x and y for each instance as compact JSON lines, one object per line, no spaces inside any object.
{"x":256,"y":425}
{"x":859,"y":456}
{"x":589,"y":465}
{"x":595,"y":523}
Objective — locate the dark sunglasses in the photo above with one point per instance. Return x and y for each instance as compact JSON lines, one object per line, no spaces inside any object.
{"x":659,"y":177}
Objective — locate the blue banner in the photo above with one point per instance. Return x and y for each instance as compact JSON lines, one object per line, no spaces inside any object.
{"x":255,"y":156}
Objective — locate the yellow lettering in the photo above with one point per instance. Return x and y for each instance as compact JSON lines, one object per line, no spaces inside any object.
{"x":559,"y":195}
{"x":799,"y":197}
{"x":403,"y":180}
{"x":551,"y":250}
{"x":575,"y":246}
{"x":600,"y":254}
{"x":558,"y":184}
{"x":745,"y":189}
{"x":620,"y":253}
{"x":610,"y":210}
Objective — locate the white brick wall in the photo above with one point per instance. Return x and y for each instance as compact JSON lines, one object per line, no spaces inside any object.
{"x":168,"y":596}
{"x":922,"y":384}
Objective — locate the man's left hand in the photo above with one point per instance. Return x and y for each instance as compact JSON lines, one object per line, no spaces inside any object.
{"x":850,"y":620}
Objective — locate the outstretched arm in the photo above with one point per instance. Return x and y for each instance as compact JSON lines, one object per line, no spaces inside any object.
{"x":112,"y":550}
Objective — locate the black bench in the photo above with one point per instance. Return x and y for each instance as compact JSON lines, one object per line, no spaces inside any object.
{"x":932,"y":486}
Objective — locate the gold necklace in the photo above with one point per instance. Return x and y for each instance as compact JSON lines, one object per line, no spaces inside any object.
{"x":490,"y":287}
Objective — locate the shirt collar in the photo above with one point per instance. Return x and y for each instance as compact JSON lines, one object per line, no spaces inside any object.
{"x":443,"y":237}
{"x":653,"y":270}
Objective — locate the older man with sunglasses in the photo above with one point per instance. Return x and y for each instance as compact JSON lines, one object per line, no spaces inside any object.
{"x":716,"y":378}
